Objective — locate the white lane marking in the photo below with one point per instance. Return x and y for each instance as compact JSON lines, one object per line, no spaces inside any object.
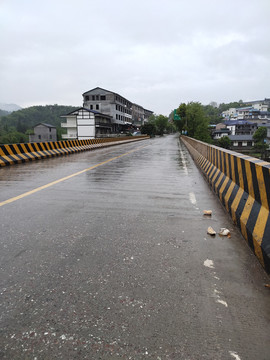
{"x":235,"y":355}
{"x":183,"y":162}
{"x":209,"y":263}
{"x":192,"y":198}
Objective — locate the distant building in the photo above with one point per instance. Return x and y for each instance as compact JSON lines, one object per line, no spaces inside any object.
{"x":241,"y":127}
{"x":241,"y":142}
{"x":259,"y":104}
{"x":256,"y":111}
{"x":125,"y":115}
{"x":86,"y":124}
{"x":219,"y":133}
{"x":229,"y":114}
{"x":220,"y":126}
{"x":43,"y":132}
{"x":137,"y":115}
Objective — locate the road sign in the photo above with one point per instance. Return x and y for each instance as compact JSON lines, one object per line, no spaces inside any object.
{"x":176,"y":116}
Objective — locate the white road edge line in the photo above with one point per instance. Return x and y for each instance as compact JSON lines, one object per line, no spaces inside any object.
{"x":183,"y":161}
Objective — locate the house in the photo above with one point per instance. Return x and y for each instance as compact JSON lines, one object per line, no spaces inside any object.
{"x":86,"y":124}
{"x":124,"y":113}
{"x":241,"y":127}
{"x":137,"y":115}
{"x":241,"y":143}
{"x":261,"y":105}
{"x":243,"y":112}
{"x":220,"y":126}
{"x":229,"y":114}
{"x":43,"y":132}
{"x":255,"y":110}
{"x":219,"y":133}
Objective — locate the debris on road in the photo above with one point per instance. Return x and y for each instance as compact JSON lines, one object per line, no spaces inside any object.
{"x":207,"y":212}
{"x":267,"y":285}
{"x":211,"y":231}
{"x":224,"y":232}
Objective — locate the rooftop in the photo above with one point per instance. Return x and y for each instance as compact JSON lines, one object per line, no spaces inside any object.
{"x":241,"y":137}
{"x":238,"y":122}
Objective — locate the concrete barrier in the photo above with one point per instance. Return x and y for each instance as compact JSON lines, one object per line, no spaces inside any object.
{"x":19,"y":153}
{"x":242,"y":184}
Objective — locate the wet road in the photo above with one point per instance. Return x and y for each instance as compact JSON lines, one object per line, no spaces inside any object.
{"x":114,"y":261}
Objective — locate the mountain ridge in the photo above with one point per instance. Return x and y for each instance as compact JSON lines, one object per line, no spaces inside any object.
{"x":10,"y":107}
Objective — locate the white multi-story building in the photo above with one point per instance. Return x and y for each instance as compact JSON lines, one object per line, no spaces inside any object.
{"x":123,"y":112}
{"x":247,"y":113}
{"x":104,"y":113}
{"x":229,"y":114}
{"x":260,"y":106}
{"x":86,"y":124}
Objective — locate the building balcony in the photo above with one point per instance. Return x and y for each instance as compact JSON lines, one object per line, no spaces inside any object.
{"x":69,"y":125}
{"x":69,"y":136}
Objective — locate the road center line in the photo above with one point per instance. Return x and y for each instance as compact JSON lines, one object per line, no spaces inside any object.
{"x":66,"y":178}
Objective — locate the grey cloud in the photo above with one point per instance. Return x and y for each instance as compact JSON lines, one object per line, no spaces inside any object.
{"x":157,"y":53}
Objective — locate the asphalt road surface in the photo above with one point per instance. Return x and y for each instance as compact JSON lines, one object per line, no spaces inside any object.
{"x":105,"y":255}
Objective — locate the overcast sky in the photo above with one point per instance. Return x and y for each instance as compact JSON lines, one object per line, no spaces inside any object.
{"x":156,"y":53}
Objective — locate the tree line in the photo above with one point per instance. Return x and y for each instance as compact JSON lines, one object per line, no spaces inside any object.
{"x":194,"y":119}
{"x":16,"y":126}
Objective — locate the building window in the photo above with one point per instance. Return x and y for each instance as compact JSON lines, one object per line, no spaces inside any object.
{"x":91,"y":107}
{"x":39,"y":136}
{"x":93,"y":97}
{"x":102,"y":97}
{"x":87,"y":98}
{"x":97,"y":107}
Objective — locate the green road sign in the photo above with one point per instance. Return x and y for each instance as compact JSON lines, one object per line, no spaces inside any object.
{"x":176,"y":116}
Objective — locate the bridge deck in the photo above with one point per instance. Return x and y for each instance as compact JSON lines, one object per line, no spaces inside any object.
{"x":105,"y":255}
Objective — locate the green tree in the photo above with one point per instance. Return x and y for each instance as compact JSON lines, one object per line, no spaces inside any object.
{"x":13,"y":137}
{"x":259,"y":138}
{"x":224,"y":142}
{"x":197,"y":122}
{"x":223,"y":107}
{"x":181,"y":111}
{"x":171,"y":127}
{"x":23,"y":120}
{"x":161,"y":124}
{"x":213,"y":114}
{"x":149,"y":129}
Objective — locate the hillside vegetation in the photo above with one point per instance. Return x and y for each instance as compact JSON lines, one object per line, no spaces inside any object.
{"x":15,"y":127}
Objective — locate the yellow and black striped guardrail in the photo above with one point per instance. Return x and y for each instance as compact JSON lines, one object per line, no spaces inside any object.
{"x":243,"y":186}
{"x":19,"y":153}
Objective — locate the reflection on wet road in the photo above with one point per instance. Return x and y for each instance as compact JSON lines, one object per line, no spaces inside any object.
{"x":112,"y":260}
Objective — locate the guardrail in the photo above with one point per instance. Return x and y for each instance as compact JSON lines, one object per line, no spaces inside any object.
{"x":20,"y":153}
{"x":242,"y":184}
